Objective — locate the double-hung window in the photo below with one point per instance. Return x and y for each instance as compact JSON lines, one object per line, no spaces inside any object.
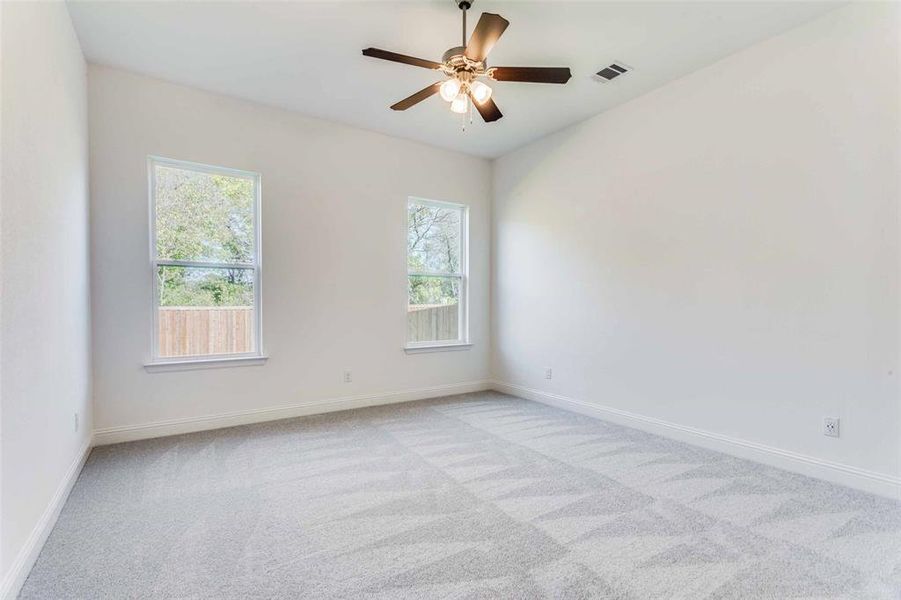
{"x":436,"y":274}
{"x":205,"y":259}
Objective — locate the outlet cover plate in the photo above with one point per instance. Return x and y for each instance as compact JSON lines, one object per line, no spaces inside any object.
{"x":830,"y":426}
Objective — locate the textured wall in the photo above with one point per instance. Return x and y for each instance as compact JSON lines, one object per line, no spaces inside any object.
{"x":45,"y":316}
{"x":334,"y":264}
{"x":721,"y":253}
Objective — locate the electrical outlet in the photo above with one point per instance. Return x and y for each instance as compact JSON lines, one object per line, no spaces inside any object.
{"x":830,"y":426}
{"x":548,"y":373}
{"x":348,"y":377}
{"x":76,"y":421}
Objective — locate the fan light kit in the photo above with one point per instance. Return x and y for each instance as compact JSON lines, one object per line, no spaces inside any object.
{"x":465,"y":65}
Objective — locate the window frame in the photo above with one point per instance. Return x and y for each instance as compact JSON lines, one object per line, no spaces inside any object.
{"x":165,"y":363}
{"x":462,"y":342}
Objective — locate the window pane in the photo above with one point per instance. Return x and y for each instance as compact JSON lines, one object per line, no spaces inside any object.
{"x":433,"y":238}
{"x":433,"y":309}
{"x":205,"y":311}
{"x":203,"y":217}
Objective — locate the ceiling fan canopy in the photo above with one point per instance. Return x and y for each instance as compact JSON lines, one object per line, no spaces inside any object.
{"x":465,"y":65}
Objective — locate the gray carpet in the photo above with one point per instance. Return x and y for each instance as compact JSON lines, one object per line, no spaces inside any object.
{"x":475,"y":496}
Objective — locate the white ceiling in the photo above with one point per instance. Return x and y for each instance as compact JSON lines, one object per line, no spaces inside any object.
{"x":306,"y":56}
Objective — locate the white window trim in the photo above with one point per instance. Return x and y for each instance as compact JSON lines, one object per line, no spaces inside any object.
{"x":462,"y":342}
{"x":216,"y":362}
{"x":158,"y":363}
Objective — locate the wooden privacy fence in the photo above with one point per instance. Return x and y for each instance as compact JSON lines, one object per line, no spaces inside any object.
{"x":429,"y":322}
{"x":198,"y":330}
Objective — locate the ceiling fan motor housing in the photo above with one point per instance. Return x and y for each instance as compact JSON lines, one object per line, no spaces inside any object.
{"x":456,"y":63}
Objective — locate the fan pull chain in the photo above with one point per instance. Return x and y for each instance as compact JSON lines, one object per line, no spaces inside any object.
{"x":469,"y":110}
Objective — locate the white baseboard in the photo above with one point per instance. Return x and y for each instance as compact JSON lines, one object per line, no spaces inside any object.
{"x":29,"y":552}
{"x":128,"y":433}
{"x":868,"y":481}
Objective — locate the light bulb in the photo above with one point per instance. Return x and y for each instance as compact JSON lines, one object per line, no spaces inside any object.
{"x":460,"y":104}
{"x":449,"y":89}
{"x":480,"y":92}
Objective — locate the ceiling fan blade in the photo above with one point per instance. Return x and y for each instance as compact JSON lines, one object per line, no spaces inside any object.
{"x":489,"y":110}
{"x":486,"y":34}
{"x":531,"y":74}
{"x":417,"y":97}
{"x":401,"y":58}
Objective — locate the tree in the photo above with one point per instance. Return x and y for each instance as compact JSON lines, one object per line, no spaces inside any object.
{"x":433,"y":245}
{"x":206,"y":218}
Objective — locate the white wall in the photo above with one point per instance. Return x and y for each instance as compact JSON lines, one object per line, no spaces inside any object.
{"x":45,"y":316}
{"x":722,"y":253}
{"x":334,"y":279}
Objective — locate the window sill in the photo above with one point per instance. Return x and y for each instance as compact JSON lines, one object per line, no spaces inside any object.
{"x":438,"y":348}
{"x":193,"y":364}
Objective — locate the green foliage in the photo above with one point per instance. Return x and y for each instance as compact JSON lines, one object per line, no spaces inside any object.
{"x":204,"y":218}
{"x":181,"y":286}
{"x":433,"y":245}
{"x":433,"y":290}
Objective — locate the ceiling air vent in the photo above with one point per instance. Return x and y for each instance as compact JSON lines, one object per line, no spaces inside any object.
{"x":612,"y":71}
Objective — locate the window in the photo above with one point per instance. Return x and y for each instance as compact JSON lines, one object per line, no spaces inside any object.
{"x":436,"y":274}
{"x":205,"y":258}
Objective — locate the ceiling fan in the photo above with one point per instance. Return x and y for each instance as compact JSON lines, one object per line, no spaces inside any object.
{"x":465,"y":65}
